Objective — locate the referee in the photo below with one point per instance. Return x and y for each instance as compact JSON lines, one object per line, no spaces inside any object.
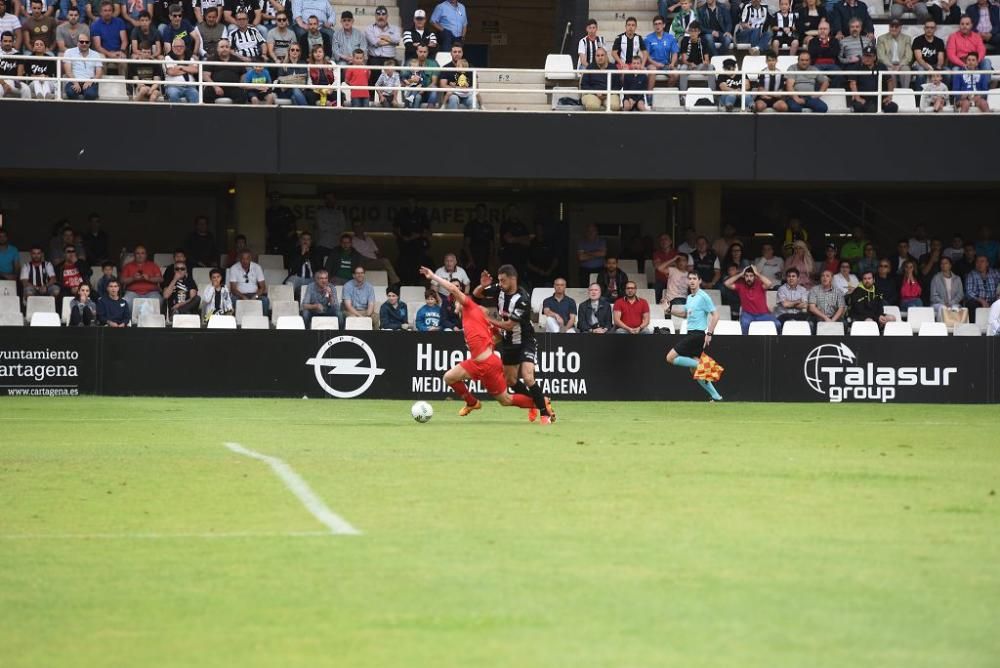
{"x":702,"y":318}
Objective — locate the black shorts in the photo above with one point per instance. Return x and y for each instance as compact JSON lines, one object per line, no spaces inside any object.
{"x":691,"y":345}
{"x":513,"y":355}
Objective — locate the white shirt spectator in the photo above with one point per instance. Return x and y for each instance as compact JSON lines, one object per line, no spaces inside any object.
{"x":245,"y":279}
{"x":366,"y":247}
{"x":845,"y":285}
{"x":993,"y":328}
{"x":458,"y":274}
{"x":770,"y":268}
{"x":42,"y":273}
{"x":918,"y":247}
{"x":84,"y":67}
{"x":375,"y":47}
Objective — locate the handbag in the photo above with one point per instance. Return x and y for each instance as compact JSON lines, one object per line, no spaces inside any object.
{"x":708,"y":369}
{"x":954,"y":317}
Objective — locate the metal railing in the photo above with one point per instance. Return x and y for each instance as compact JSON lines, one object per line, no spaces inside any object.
{"x":482,"y":82}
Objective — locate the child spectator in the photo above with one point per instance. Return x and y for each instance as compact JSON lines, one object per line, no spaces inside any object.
{"x":429,"y":315}
{"x":635,"y":83}
{"x":260,"y":78}
{"x":357,"y":77}
{"x":387,"y":81}
{"x":935,"y":95}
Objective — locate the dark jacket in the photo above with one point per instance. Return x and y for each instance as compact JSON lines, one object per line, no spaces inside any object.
{"x":304,"y":46}
{"x":604,"y":318}
{"x":866,"y":305}
{"x":598,"y":80}
{"x":109,"y":310}
{"x":724,"y":15}
{"x":889,"y":289}
{"x":972,"y":11}
{"x":841,"y":15}
{"x":604,"y":279}
{"x":296,"y":259}
{"x":393,"y":318}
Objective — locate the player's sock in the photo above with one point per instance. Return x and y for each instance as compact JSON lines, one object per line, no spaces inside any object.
{"x":521,"y":388}
{"x":462,"y":392}
{"x":522,"y":401}
{"x":708,"y":387}
{"x":536,"y":394}
{"x":689,"y":362}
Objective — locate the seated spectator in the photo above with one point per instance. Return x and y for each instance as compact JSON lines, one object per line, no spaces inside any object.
{"x":844,"y":280}
{"x":895,"y":49}
{"x":902,"y":256}
{"x":180,"y":28}
{"x":899,"y":7}
{"x":181,"y":292}
{"x":706,"y":263}
{"x":258,"y":78}
{"x":79,"y":64}
{"x":887,"y":282}
{"x":845,"y":13}
{"x":141,"y":278}
{"x":281,"y":38}
{"x":58,"y":244}
{"x":71,"y":274}
{"x":107,"y":275}
{"x":865,"y":83}
{"x":768,"y":264}
{"x":44,"y":86}
{"x":371,"y":257}
{"x":867,"y":303}
{"x":594,"y":315}
{"x":831,"y":259}
{"x":801,"y":260}
{"x":598,"y":79}
{"x":10,"y":259}
{"x":216,"y":299}
{"x":751,"y":287}
{"x":246,"y":40}
{"x":967,"y":262}
{"x":793,"y":299}
{"x":809,"y":15}
{"x":680,"y":26}
{"x":356,"y":77}
{"x":946,"y":289}
{"x":716,"y":20}
{"x":803,"y":77}
{"x":429,"y":315}
{"x":323,"y":79}
{"x":971,"y":89}
{"x":662,"y":47}
{"x":109,"y":33}
{"x":929,"y":51}
{"x":144,"y":33}
{"x":634,"y":86}
{"x":868,"y":262}
{"x":560,"y":309}
{"x":200,"y":247}
{"x":853,"y":248}
{"x":612,"y":280}
{"x":316,"y":36}
{"x":359,"y":298}
{"x":935,"y":96}
{"x":393,"y":314}
{"x":82,"y":310}
{"x":223,"y":73}
{"x":148,"y":72}
{"x":826,"y":304}
{"x":963,"y":42}
{"x":246,"y":281}
{"x":631,"y":312}
{"x":676,"y":290}
{"x":451,"y":314}
{"x":459,"y":94}
{"x":180,"y":257}
{"x":288,"y":75}
{"x":452,"y":272}
{"x":784,"y":32}
{"x":387,"y":86}
{"x":824,"y":50}
{"x":113,"y":310}
{"x":68,"y":33}
{"x":752,"y":26}
{"x":319,"y":297}
{"x":416,"y":80}
{"x":929,"y":263}
{"x":769,"y":81}
{"x":910,"y":290}
{"x":695,"y":56}
{"x":853,"y":46}
{"x":988,"y":246}
{"x":342,"y":261}
{"x":985,"y":17}
{"x":303,"y":263}
{"x":730,"y":85}
{"x":588,"y":45}
{"x":421,"y":34}
{"x":980,"y":284}
{"x":211,"y":30}
{"x":955,"y":251}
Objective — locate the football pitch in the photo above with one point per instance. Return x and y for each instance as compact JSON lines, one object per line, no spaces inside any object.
{"x":626,"y":534}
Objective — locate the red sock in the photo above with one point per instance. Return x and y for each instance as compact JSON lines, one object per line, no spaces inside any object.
{"x":462,"y":391}
{"x":522,"y":401}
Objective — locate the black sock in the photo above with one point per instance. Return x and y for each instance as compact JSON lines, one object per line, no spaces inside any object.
{"x":535,"y":392}
{"x":521,"y":388}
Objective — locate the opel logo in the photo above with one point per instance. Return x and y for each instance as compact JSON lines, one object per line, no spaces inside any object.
{"x":345,"y":366}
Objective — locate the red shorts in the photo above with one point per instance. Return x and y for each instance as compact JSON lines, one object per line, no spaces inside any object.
{"x":489,"y":372}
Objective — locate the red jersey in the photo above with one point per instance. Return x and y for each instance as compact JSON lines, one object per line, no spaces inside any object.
{"x":478,"y":336}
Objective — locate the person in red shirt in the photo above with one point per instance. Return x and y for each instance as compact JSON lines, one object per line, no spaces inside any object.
{"x":72,"y":273}
{"x":482,"y":365}
{"x":141,"y":277}
{"x":357,"y":76}
{"x":752,"y":288}
{"x":631,"y":313}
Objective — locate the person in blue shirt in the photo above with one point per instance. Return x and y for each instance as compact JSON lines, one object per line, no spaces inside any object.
{"x":450,"y":20}
{"x":10,"y":259}
{"x":663,"y":49}
{"x":429,"y":315}
{"x":702,"y":317}
{"x":967,"y":85}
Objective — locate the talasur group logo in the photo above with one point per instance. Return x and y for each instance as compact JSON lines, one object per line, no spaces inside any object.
{"x":833,"y":370}
{"x":344,"y":365}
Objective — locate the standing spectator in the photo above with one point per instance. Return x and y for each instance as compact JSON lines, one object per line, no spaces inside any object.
{"x":412,"y":229}
{"x":542,"y":263}
{"x":181,"y":292}
{"x":752,"y":27}
{"x":751,"y":287}
{"x":962,"y":43}
{"x":591,"y":251}
{"x":319,"y":297}
{"x":928,"y":51}
{"x":864,"y":85}
{"x":843,"y":13}
{"x":423,"y":78}
{"x":802,"y":77}
{"x":628,"y":44}
{"x":109,"y":33}
{"x":895,"y":51}
{"x":793,"y":299}
{"x":844,"y":280}
{"x":68,"y":33}
{"x":428,"y":317}
{"x":107,"y":275}
{"x":382,"y":40}
{"x":769,"y":83}
{"x":706,"y":263}
{"x":356,"y":78}
{"x":82,"y":310}
{"x":217,"y":299}
{"x":342,"y":262}
{"x":418,"y":34}
{"x":597,"y":81}
{"x":910,"y":290}
{"x":631,"y":313}
{"x":887,"y":282}
{"x":899,"y":7}
{"x":514,"y":242}
{"x":200,"y":247}
{"x":560,"y":310}
{"x":479,"y":241}
{"x":586,"y":50}
{"x":393,"y":315}
{"x":314,"y":37}
{"x":450,"y":20}
{"x":330,"y":223}
{"x":303,"y":264}
{"x":223,"y":75}
{"x":359,"y":298}
{"x":72,"y":273}
{"x":867,"y":303}
{"x":141,"y":277}
{"x":38,"y":276}
{"x":211,"y":31}
{"x":112,"y":310}
{"x":246,"y":281}
{"x":675,"y":291}
{"x":612,"y":280}
{"x":246,"y":40}
{"x":980,"y":284}
{"x":946,"y":289}
{"x":81,"y":63}
{"x":717,"y":22}
{"x":322,"y":10}
{"x":451,"y":272}
{"x":10,"y":259}
{"x":664,"y":253}
{"x":768,"y":264}
{"x":178,"y":75}
{"x":826,"y":304}
{"x":594,"y":314}
{"x":347,"y":40}
{"x":988,"y":246}
{"x":971,"y":88}
{"x":985,"y":17}
{"x":368,"y":250}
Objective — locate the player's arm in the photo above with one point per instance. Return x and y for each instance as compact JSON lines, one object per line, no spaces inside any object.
{"x":452,"y":289}
{"x":485,"y":281}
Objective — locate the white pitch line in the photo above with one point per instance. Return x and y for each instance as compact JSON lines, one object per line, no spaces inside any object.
{"x":300,"y":488}
{"x":158,"y":536}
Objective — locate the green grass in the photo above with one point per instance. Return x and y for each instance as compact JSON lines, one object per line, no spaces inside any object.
{"x":634,"y":534}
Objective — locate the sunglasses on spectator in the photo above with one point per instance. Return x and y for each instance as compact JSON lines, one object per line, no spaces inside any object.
{"x":176,"y":16}
{"x":381,"y":13}
{"x":282,"y":20}
{"x":885,"y":266}
{"x":180,"y":268}
{"x":83,"y":41}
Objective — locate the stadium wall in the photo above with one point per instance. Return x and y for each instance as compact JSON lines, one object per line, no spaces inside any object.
{"x":298,"y":142}
{"x":409,"y":365}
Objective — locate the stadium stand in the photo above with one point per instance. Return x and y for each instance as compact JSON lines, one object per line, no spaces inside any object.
{"x":324,"y":322}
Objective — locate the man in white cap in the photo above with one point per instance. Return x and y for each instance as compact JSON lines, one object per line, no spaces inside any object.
{"x":419,"y":33}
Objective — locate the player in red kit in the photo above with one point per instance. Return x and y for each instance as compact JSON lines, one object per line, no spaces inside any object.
{"x":483,"y":365}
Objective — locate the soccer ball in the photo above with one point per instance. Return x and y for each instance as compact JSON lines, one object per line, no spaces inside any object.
{"x":422,"y":411}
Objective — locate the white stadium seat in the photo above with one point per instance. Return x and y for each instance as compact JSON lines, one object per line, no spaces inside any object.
{"x":538,"y":295}
{"x":893,"y":311}
{"x":152,"y":320}
{"x":255,"y":322}
{"x":917,"y":315}
{"x":796,"y":328}
{"x":271,"y":262}
{"x":222,"y":322}
{"x":142,"y":306}
{"x":715,"y":296}
{"x":202,"y":276}
{"x":411,"y":310}
{"x":933,"y":329}
{"x":39,"y":304}
{"x":274,"y":277}
{"x":413,"y":293}
{"x":10,"y":319}
{"x":44,"y":319}
{"x":280,"y":293}
{"x":324,"y":322}
{"x":10,"y":304}
{"x":829,"y":329}
{"x":725,"y":312}
{"x":897,"y":328}
{"x":762,"y":328}
{"x":772,"y":299}
{"x":378,"y":277}
{"x":728,"y":328}
{"x":186,"y":321}
{"x":864,"y":328}
{"x":66,"y":308}
{"x":280,"y":309}
{"x":245,"y":307}
{"x":982,"y":320}
{"x":358,"y":324}
{"x":560,"y":67}
{"x":967,"y":329}
{"x":290,"y":322}
{"x":8,"y":288}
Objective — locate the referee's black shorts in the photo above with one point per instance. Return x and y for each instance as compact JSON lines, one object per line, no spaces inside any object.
{"x":514,"y":355}
{"x":691,"y":345}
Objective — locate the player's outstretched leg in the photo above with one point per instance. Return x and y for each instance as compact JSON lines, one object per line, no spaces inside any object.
{"x":455,"y":379}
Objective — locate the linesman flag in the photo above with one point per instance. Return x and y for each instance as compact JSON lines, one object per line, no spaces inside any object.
{"x":708,"y":369}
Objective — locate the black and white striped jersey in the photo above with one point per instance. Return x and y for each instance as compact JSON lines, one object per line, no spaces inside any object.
{"x":516,"y":308}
